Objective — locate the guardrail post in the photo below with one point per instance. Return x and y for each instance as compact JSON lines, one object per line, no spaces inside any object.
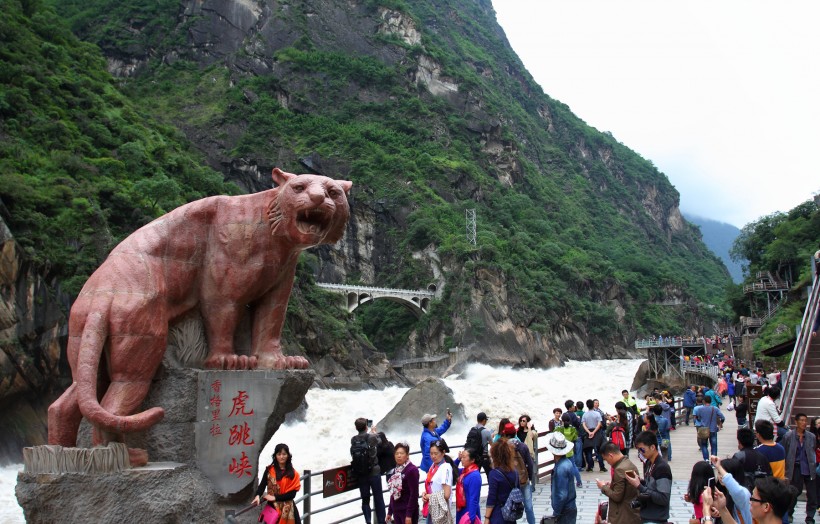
{"x":306,"y":500}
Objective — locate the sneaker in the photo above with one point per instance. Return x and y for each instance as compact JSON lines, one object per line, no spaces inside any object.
{"x":589,"y":469}
{"x":603,"y":469}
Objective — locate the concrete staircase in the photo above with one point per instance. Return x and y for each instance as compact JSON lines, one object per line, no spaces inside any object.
{"x":807,"y":398}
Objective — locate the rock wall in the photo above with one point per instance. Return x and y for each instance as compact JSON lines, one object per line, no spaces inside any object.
{"x":32,"y":330}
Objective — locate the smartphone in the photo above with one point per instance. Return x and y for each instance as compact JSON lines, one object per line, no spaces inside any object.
{"x":448,"y":412}
{"x":711,"y":483}
{"x":369,"y":423}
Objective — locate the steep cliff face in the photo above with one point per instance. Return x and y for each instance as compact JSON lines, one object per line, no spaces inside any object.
{"x":32,"y":327}
{"x":424,"y":105}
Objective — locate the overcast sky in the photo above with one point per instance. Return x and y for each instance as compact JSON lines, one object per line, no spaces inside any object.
{"x":724,"y":97}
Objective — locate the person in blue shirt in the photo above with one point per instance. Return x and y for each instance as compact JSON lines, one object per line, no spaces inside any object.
{"x":711,"y":417}
{"x":430,"y":434}
{"x":468,"y":487}
{"x":564,"y":509}
{"x":689,"y":399}
{"x":663,"y":432}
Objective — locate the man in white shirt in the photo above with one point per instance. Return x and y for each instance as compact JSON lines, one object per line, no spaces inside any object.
{"x":767,"y":410}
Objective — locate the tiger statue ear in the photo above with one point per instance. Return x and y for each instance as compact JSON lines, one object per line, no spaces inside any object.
{"x":280,"y":177}
{"x":346,"y":185}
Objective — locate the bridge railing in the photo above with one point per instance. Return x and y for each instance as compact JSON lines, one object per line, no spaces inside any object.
{"x":349,"y":287}
{"x":709,"y":370}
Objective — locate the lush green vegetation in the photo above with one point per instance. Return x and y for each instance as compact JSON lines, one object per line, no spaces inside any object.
{"x":81,"y":166}
{"x":782,"y":244}
{"x":575,"y":220}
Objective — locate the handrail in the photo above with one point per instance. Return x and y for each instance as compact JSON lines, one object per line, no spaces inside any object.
{"x":801,"y":350}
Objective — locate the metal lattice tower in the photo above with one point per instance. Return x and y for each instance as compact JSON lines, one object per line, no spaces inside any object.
{"x":471,"y":226}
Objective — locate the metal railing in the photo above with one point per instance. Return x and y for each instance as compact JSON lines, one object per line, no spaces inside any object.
{"x":393,"y":291}
{"x":801,"y":350}
{"x":542,"y":471}
{"x":709,"y":370}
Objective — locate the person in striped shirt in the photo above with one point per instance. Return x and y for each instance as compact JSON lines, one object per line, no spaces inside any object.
{"x":774,"y":453}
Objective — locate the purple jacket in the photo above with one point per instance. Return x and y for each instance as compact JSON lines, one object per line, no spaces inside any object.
{"x":408,"y":504}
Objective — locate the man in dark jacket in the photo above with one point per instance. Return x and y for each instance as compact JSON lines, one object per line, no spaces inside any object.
{"x":755,"y":464}
{"x":689,"y":399}
{"x":801,"y":462}
{"x":655,"y":490}
{"x":373,"y":481}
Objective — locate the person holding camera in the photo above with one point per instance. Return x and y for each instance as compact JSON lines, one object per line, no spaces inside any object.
{"x":365,"y":465}
{"x":655,"y":490}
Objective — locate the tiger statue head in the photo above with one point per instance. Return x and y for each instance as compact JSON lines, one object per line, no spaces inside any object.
{"x":309,"y":209}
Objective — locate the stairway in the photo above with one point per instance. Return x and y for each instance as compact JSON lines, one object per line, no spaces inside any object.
{"x":807,"y":398}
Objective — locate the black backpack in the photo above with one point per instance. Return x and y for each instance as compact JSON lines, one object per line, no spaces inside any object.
{"x":360,"y":454}
{"x":474,"y":441}
{"x":385,"y":454}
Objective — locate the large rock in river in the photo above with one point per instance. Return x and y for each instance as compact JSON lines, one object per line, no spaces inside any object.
{"x":429,"y":396}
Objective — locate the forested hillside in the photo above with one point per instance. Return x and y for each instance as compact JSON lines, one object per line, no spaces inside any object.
{"x":783,"y":244}
{"x":423,"y":105}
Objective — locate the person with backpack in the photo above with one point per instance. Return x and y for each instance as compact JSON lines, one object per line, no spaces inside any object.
{"x":755,"y":464}
{"x":365,"y":466}
{"x":430,"y":434}
{"x":618,"y":429}
{"x":502,"y":481}
{"x":576,"y":423}
{"x":525,"y":467}
{"x":562,"y":493}
{"x":478,"y":439}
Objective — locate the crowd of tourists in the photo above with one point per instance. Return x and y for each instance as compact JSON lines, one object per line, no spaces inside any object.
{"x":758,"y":483}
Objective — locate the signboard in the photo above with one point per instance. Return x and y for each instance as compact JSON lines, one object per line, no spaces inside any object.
{"x":338,"y":480}
{"x":755,"y":393}
{"x":232,"y":410}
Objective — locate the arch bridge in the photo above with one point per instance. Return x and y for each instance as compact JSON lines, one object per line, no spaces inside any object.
{"x":416,"y":300}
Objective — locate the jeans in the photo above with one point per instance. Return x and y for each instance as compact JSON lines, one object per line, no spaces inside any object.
{"x":567,"y":517}
{"x":372,"y":484}
{"x":579,"y":449}
{"x":798,"y":481}
{"x":526,"y":490}
{"x":742,"y":423}
{"x":704,"y":447}
{"x":590,"y":461}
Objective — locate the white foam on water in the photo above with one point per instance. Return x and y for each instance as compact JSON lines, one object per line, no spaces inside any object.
{"x":10,"y":511}
{"x":322,"y":440}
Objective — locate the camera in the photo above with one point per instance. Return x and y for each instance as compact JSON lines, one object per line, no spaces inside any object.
{"x":640,"y":501}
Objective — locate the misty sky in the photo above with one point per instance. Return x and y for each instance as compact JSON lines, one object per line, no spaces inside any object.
{"x":721,"y":96}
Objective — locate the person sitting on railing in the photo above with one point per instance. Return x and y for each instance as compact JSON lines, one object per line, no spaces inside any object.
{"x":767,"y":410}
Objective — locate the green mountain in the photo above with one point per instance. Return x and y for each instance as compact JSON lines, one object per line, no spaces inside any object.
{"x":580,"y":245}
{"x":719,"y":238}
{"x":781,"y":244}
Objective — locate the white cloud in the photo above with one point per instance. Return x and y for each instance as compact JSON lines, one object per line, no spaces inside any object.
{"x":721,"y":96}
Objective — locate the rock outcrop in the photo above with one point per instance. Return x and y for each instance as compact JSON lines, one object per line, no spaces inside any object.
{"x":32,"y":331}
{"x":429,"y":396}
{"x":204,"y":453}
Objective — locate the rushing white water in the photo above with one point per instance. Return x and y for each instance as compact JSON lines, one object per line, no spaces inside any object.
{"x":322,"y":440}
{"x":10,"y":511}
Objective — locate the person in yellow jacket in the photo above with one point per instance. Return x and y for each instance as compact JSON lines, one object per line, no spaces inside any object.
{"x":631,"y":403}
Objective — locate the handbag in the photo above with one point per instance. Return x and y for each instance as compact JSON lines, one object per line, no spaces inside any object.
{"x":439,"y":508}
{"x":465,"y":519}
{"x":269,"y":515}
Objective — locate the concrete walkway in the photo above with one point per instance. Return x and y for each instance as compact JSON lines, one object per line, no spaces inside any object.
{"x":685,"y":453}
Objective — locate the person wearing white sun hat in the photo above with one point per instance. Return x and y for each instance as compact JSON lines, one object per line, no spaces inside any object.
{"x":563,"y":480}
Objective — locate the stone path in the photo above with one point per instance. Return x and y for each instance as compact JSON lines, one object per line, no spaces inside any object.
{"x":685,"y":452}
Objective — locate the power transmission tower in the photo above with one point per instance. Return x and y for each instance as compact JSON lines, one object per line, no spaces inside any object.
{"x":471,"y":226}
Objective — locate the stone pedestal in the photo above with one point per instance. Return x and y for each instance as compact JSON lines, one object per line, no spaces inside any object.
{"x":204,"y":454}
